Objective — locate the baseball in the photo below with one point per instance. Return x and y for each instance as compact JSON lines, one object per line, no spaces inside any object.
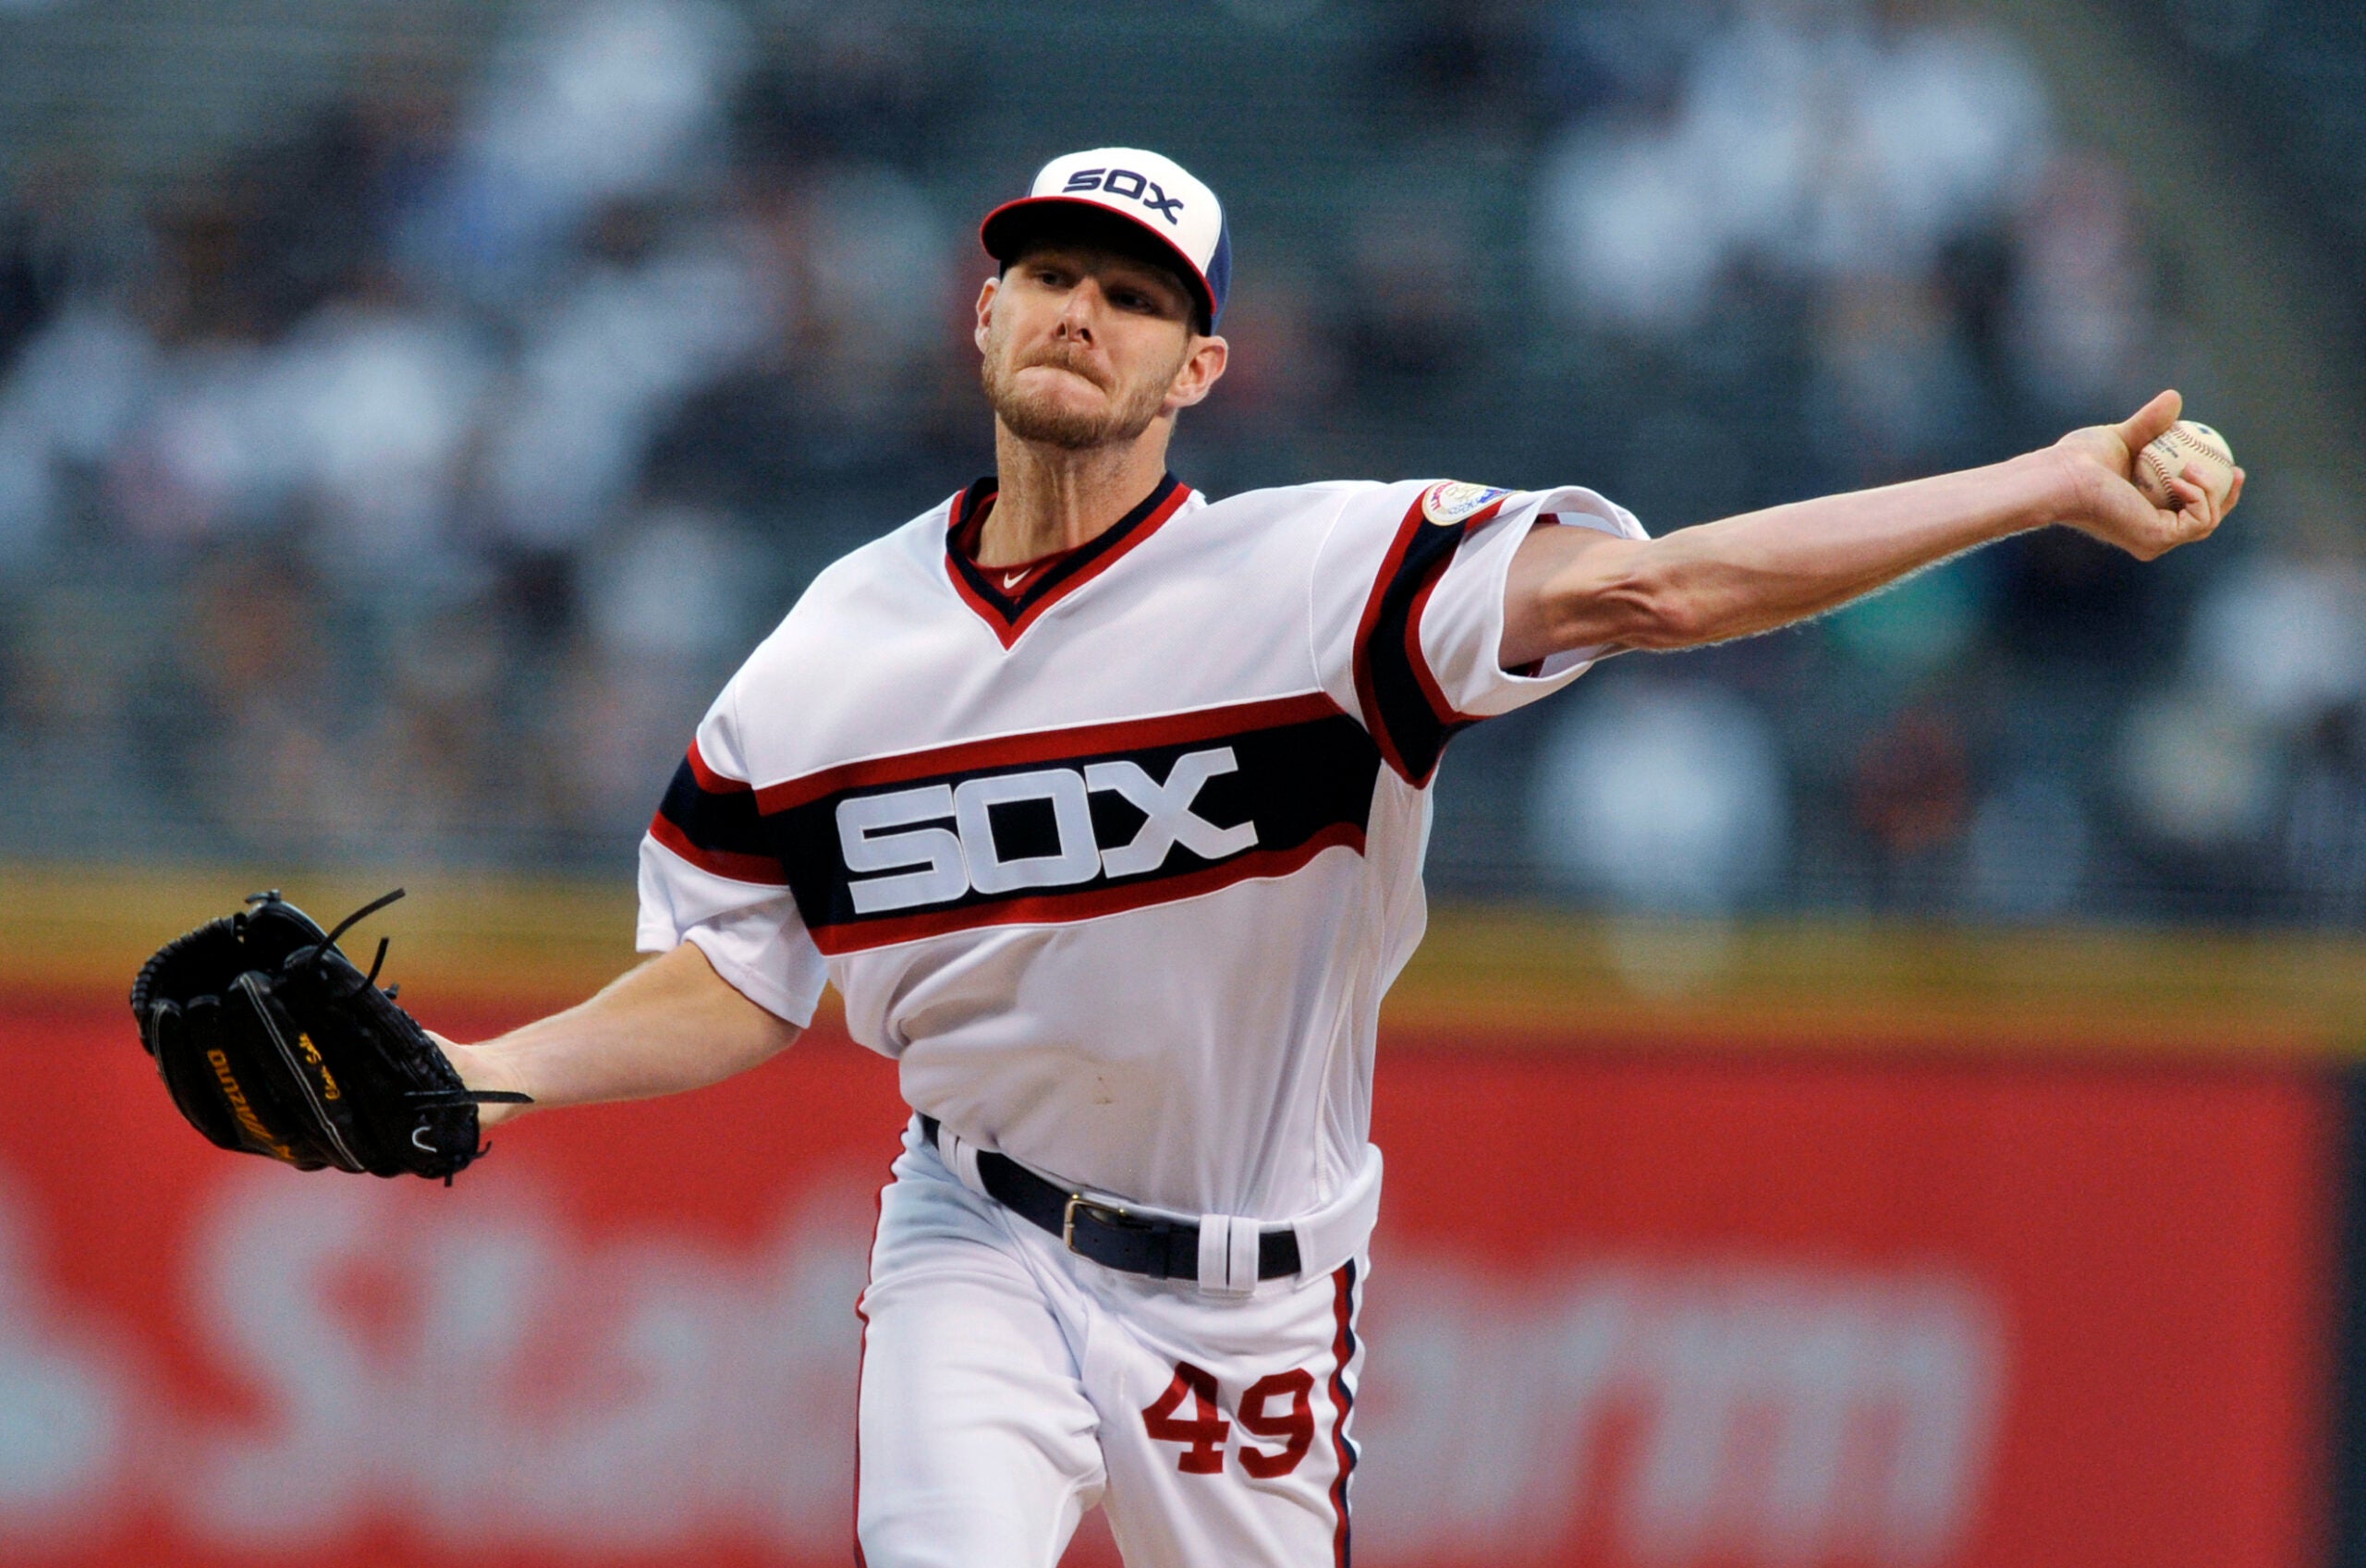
{"x":2169,"y":452}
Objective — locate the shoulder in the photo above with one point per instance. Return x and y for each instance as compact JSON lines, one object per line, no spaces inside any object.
{"x":1288,"y":497}
{"x":906,"y":561}
{"x":1286,"y":519}
{"x":1462,"y":508}
{"x":1347,"y":529}
{"x":1371,"y":517}
{"x":865,"y":594}
{"x":911,"y":551}
{"x":1302,"y":505}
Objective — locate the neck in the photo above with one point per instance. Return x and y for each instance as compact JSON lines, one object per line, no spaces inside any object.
{"x":1051,"y":499}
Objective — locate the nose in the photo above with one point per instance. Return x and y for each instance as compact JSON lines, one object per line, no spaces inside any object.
{"x":1076,"y":315}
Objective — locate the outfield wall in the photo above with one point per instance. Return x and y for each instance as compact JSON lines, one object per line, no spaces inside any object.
{"x":1646,"y":1292}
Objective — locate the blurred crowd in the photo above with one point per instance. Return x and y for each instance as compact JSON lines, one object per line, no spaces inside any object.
{"x":1881,"y":198}
{"x":403,"y":482}
{"x":411,"y":480}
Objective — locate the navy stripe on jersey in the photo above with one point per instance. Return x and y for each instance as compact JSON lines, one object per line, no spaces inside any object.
{"x":1069,"y":825}
{"x":713,"y":821}
{"x":1008,"y":616}
{"x":1409,"y":713}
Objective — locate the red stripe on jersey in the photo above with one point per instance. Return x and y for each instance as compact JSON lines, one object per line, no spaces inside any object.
{"x":1006,"y":586}
{"x":1440,"y":704}
{"x":1060,"y":908}
{"x":1048,"y":746}
{"x":1057,"y":581}
{"x":1442,"y":712}
{"x":711,"y":781}
{"x":1342,"y":1400}
{"x":1369,"y":621}
{"x":1435,"y":694}
{"x":996,"y":617}
{"x":764,"y":869}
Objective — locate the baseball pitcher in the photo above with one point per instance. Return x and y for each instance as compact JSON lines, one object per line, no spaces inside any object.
{"x":1103,"y":805}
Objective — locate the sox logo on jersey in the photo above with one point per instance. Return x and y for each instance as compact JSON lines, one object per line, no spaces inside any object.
{"x":1060,"y":824}
{"x":935,"y":865}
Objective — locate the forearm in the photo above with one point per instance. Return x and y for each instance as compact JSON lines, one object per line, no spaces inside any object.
{"x":671,"y":1025}
{"x":1765,"y":569}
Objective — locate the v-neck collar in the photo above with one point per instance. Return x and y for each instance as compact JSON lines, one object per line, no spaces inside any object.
{"x":1010,"y":616}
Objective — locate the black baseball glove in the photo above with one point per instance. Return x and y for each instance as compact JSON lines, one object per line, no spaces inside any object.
{"x":272,"y":1042}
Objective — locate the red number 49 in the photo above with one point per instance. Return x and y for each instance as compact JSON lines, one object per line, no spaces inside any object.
{"x":1203,"y":1435}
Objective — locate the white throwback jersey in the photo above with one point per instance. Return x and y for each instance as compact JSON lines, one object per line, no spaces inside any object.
{"x":1119,"y":869}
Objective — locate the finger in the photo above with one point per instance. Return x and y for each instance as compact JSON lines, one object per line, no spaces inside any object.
{"x":2192,"y":510}
{"x":2140,"y":429}
{"x":2234,"y":493}
{"x":2196,"y":475}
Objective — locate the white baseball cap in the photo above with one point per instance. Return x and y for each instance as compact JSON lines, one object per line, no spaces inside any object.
{"x":1148,"y":189}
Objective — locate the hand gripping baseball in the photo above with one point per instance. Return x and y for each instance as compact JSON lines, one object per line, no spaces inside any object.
{"x":2106,"y":502}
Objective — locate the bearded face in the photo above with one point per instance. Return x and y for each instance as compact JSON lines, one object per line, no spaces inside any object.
{"x":1083,"y":348}
{"x":1040,"y":412}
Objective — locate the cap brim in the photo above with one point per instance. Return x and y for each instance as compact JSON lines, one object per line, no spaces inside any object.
{"x":1007,"y":227}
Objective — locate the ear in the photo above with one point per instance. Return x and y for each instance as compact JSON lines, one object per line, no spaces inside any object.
{"x":1203,"y":368}
{"x":985,"y":312}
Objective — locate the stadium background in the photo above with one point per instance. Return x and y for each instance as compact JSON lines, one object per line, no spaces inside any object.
{"x":1877,"y":1094}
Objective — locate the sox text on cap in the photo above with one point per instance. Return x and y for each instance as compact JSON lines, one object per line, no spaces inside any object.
{"x":1148,"y":189}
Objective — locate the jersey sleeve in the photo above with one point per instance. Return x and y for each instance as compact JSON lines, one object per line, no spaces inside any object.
{"x":709,"y":876}
{"x":1408,"y":609}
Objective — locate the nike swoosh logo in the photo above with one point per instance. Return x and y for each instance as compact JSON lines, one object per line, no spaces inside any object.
{"x":1012,"y":579}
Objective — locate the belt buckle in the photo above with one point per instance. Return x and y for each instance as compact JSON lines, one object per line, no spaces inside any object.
{"x":1067,"y":1217}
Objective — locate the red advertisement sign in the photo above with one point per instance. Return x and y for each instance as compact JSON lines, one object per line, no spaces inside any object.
{"x":1634,"y":1310}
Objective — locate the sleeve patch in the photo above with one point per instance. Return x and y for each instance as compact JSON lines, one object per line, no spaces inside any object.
{"x":1450,"y":503}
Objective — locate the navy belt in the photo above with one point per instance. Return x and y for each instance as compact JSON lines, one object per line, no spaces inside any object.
{"x":1113,"y":1237}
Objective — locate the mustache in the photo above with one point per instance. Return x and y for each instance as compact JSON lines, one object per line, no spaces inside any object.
{"x":1062,"y":357}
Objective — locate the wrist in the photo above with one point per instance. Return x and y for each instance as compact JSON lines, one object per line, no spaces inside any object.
{"x":2062,"y":485}
{"x":483,"y":1069}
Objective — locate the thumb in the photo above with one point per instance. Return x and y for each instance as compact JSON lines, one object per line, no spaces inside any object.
{"x":2141,"y":428}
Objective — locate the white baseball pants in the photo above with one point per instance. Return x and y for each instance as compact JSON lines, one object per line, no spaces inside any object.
{"x":1008,"y":1385}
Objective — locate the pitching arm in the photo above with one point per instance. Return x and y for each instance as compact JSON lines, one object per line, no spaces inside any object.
{"x":672,"y":1024}
{"x":1576,"y":588}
